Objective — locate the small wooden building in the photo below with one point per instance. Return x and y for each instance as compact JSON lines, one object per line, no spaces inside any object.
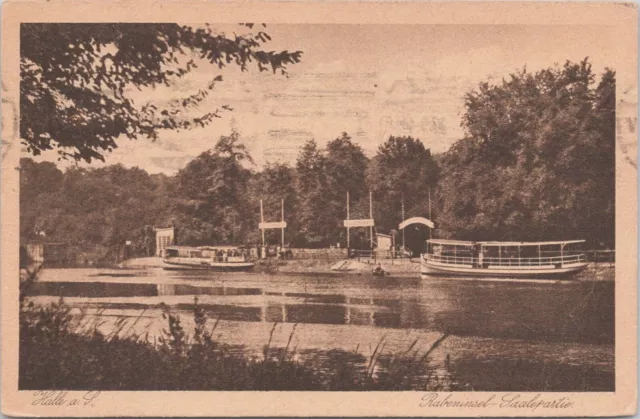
{"x":165,"y":237}
{"x":384,"y":242}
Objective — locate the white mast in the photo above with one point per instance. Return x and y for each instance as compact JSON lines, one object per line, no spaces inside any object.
{"x":430,"y":218}
{"x":403,"y":243}
{"x":262,"y":221}
{"x":282,"y":219}
{"x":348,"y":235}
{"x":371,"y":217}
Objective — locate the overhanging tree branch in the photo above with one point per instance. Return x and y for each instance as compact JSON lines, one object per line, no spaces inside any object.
{"x":75,"y":80}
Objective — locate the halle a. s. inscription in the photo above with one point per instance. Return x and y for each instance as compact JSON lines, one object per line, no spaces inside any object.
{"x":531,"y":402}
{"x":62,"y":398}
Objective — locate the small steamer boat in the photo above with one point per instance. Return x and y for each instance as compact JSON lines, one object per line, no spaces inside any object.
{"x":503,"y":259}
{"x":218,"y":258}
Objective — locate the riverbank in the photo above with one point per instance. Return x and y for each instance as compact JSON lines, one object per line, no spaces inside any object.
{"x":395,"y":267}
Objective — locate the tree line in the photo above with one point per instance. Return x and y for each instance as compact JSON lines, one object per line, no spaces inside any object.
{"x":537,"y":162}
{"x":215,"y":198}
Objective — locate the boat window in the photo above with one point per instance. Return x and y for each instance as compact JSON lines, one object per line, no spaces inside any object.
{"x":574,"y":249}
{"x":529,"y":251}
{"x":509,"y":252}
{"x":171,"y":253}
{"x":550,"y":250}
{"x":464,"y":251}
{"x":490,"y":251}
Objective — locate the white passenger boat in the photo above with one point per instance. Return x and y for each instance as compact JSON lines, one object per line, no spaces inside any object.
{"x":503,"y":259}
{"x":219,"y":258}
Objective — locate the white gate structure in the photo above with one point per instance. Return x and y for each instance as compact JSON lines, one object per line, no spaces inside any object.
{"x":282,"y":224}
{"x":366,"y":222}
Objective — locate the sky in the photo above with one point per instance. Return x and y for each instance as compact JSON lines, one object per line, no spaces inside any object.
{"x":370,"y":81}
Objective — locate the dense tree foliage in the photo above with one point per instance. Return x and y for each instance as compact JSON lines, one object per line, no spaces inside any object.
{"x":345,"y":166}
{"x":76,"y":80}
{"x":402,"y":171}
{"x":275,"y":185}
{"x":210,"y":192}
{"x":324,"y":178}
{"x":312,"y":186}
{"x":537,"y":162}
{"x":97,"y":209}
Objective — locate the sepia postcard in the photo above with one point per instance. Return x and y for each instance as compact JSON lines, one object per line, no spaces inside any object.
{"x":240,"y":208}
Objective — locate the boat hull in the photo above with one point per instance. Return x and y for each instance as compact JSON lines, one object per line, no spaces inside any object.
{"x":211,"y":266}
{"x":544,"y":271}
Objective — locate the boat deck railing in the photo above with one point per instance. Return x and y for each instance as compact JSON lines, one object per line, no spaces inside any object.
{"x":221,"y":259}
{"x":508,"y":261}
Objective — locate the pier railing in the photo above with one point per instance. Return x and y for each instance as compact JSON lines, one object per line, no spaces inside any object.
{"x":380,"y":254}
{"x":601,"y":256}
{"x":508,"y":261}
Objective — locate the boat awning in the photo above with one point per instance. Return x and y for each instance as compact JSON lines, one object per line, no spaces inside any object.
{"x":218,"y":247}
{"x":450,"y":242}
{"x":501,"y":244}
{"x":551,"y":243}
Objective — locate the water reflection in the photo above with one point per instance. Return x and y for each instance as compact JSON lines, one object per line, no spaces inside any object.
{"x":110,"y":289}
{"x":93,"y":289}
{"x":181,"y":289}
{"x":573,"y":312}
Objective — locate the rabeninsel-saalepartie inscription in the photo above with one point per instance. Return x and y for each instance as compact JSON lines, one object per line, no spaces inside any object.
{"x":510,"y":400}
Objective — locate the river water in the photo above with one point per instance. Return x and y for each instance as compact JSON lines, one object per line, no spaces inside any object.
{"x":501,"y":335}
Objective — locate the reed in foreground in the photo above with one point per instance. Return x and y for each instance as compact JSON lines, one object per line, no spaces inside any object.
{"x":56,"y":353}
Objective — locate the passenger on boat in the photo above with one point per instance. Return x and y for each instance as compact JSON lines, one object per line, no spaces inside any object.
{"x":476,"y":256}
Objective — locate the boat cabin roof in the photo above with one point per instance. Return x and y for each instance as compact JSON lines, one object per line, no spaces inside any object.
{"x":220,"y":247}
{"x":204,"y":247}
{"x":550,"y":243}
{"x":501,"y":244}
{"x":451,"y":242}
